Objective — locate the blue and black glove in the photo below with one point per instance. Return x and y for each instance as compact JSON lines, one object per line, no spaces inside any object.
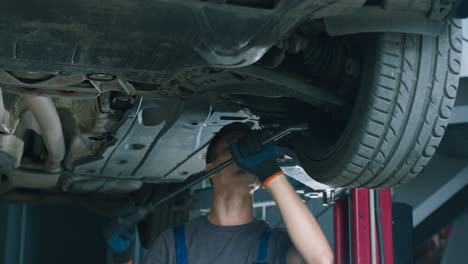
{"x":260,"y":160}
{"x":120,"y":239}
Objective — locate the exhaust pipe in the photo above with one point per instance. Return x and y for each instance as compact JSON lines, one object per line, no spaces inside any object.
{"x":45,"y":113}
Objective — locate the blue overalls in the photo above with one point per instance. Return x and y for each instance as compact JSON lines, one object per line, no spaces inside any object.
{"x":181,"y":249}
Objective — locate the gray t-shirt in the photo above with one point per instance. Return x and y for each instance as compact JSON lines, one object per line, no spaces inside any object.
{"x":207,"y":243}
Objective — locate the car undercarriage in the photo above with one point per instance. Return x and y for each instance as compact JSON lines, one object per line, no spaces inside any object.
{"x":110,"y":97}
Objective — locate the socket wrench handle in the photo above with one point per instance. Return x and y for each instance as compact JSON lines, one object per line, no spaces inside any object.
{"x":141,"y":212}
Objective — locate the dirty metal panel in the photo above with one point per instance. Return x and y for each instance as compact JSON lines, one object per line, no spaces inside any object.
{"x":134,"y":139}
{"x":93,"y":167}
{"x":195,"y":162}
{"x":161,"y":140}
{"x":180,"y":152}
{"x":177,"y":142}
{"x":152,"y":119}
{"x":144,"y":40}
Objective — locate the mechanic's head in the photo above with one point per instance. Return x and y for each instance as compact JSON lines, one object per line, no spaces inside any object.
{"x":219,"y":151}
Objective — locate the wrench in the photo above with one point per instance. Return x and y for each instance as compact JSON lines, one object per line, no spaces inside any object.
{"x":141,"y":212}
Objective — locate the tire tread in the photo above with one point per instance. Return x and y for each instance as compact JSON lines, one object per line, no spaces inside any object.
{"x":406,"y":117}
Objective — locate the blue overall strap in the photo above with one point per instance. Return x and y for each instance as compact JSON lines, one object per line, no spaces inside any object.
{"x":262,"y":252}
{"x":180,"y":247}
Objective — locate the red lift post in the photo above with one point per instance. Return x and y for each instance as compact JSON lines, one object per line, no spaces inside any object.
{"x":352,"y":225}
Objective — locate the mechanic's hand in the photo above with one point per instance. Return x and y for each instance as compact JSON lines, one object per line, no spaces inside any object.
{"x":120,"y":239}
{"x":250,"y":155}
{"x":119,"y":236}
{"x":120,"y":233}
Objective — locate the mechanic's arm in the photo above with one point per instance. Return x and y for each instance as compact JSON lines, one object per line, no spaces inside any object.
{"x":303,"y":229}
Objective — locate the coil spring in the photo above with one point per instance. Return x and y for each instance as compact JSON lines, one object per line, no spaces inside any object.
{"x":326,"y":57}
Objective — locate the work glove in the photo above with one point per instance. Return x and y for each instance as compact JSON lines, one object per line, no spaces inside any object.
{"x":120,"y":238}
{"x":260,"y":160}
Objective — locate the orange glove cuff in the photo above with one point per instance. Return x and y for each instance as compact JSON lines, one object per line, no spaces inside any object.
{"x":269,"y":179}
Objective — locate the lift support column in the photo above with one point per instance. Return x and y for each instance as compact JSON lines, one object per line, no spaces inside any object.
{"x":352,"y":227}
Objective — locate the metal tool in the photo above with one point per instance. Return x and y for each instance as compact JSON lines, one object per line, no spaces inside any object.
{"x":139,"y":213}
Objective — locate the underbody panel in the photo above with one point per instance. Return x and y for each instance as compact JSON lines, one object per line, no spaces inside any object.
{"x":156,"y":137}
{"x":147,"y":41}
{"x":103,"y":96}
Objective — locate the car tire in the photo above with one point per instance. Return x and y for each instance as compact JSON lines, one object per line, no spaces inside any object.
{"x":407,"y":91}
{"x":167,"y":215}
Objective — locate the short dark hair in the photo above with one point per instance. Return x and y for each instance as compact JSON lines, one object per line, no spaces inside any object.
{"x":233,"y":127}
